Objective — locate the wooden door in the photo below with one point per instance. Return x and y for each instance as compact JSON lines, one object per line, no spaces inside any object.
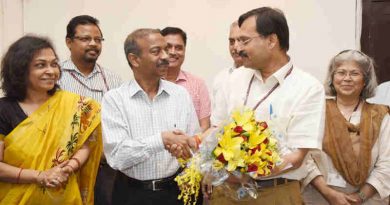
{"x":375,"y":39}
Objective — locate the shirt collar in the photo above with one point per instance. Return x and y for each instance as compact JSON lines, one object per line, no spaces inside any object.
{"x":163,"y":89}
{"x":279,"y":75}
{"x":182,"y":76}
{"x":69,"y":65}
{"x":231,"y":69}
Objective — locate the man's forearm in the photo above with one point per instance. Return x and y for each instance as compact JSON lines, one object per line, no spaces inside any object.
{"x":290,"y":161}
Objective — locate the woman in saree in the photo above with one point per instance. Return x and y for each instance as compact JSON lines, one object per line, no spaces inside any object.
{"x":50,"y":140}
{"x":354,"y":167}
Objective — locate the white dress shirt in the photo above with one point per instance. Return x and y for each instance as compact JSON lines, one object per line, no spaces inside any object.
{"x":220,"y":81}
{"x":132,"y":126}
{"x":98,"y":82}
{"x":382,"y":94}
{"x":298,"y":103}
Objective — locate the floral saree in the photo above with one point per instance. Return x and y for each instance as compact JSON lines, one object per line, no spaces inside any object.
{"x":49,"y":136}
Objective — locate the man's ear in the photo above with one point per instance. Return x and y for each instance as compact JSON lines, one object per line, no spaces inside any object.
{"x":68,"y":42}
{"x":272,"y":41}
{"x":133,"y":59}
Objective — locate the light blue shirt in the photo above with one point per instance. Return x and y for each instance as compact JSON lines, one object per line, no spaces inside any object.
{"x":98,"y":82}
{"x":132,"y":126}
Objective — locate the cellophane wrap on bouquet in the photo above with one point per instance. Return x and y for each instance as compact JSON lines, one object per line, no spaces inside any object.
{"x":241,"y":148}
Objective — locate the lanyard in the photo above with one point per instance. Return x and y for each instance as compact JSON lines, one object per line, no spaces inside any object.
{"x":92,"y":89}
{"x":269,"y":92}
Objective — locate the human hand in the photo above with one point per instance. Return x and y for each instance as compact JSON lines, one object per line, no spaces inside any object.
{"x":177,"y":150}
{"x":207,"y":187}
{"x":339,"y":198}
{"x":178,"y":144}
{"x":68,"y":169}
{"x":54,"y":177}
{"x":356,"y":199}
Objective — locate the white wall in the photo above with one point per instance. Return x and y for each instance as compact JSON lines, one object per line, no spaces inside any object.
{"x":318,"y":28}
{"x":11,"y":22}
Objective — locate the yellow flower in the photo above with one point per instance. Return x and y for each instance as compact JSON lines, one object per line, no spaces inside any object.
{"x":217,"y":165}
{"x":238,"y":160}
{"x":255,"y":138}
{"x":189,"y":181}
{"x":244,"y":118}
{"x":228,"y":129}
{"x":253,"y":157}
{"x":228,"y":146}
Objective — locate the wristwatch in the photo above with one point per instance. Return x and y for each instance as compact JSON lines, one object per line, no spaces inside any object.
{"x":362,"y":196}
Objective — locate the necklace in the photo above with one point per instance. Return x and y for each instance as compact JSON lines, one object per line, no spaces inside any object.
{"x":354,"y":109}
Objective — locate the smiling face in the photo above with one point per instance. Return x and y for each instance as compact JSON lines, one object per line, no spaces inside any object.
{"x":176,"y":50}
{"x":233,"y":44}
{"x":254,"y":48}
{"x":348,"y":80}
{"x":153,"y":59}
{"x":44,"y":71}
{"x":86,"y":44}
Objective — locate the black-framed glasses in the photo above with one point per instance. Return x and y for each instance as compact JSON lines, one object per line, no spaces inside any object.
{"x":88,"y":39}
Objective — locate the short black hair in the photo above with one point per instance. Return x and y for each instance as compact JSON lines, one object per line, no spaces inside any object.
{"x":269,"y":21}
{"x":175,"y":30}
{"x":80,"y":20}
{"x":15,"y":65}
{"x":131,"y":45}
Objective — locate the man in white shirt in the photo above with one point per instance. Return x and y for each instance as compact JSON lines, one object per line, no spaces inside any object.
{"x":221,"y":78}
{"x":273,"y":86}
{"x":382,"y":94}
{"x":139,"y":120}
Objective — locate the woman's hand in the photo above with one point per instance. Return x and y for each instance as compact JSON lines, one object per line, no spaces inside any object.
{"x":339,"y":198}
{"x":54,"y":177}
{"x":356,"y":197}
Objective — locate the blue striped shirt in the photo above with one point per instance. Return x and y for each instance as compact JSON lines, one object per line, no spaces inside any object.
{"x":132,"y":126}
{"x":95,"y":85}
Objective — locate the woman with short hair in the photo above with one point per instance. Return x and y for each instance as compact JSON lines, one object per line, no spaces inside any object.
{"x":354,"y":167}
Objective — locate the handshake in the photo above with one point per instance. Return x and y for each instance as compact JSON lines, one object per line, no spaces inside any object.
{"x":179,"y":144}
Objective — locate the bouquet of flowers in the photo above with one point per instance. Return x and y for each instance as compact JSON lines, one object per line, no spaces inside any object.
{"x":241,"y":147}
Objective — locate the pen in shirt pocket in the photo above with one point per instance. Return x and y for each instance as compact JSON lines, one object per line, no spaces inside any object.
{"x":177,"y":130}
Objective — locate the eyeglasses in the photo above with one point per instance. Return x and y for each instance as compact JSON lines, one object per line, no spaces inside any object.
{"x":88,"y":39}
{"x":343,"y":73}
{"x":243,"y":41}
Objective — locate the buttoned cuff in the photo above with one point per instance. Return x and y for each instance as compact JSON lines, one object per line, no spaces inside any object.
{"x":313,"y":172}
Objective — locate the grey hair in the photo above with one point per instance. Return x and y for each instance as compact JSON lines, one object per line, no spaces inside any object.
{"x":366,"y":65}
{"x":131,"y":45}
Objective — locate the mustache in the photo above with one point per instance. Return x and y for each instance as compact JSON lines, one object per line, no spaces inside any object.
{"x":163,"y":62}
{"x":243,"y":54}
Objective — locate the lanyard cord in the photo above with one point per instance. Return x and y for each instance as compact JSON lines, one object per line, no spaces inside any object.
{"x":269,"y":92}
{"x":92,"y":89}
